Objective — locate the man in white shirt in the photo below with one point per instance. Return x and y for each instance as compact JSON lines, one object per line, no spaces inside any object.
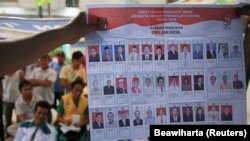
{"x":148,"y":87}
{"x":134,"y":55}
{"x":96,"y":90}
{"x":185,"y":54}
{"x":24,"y":105}
{"x":160,"y":85}
{"x":42,"y":79}
{"x":10,"y":94}
{"x":161,"y":118}
{"x":173,"y":87}
{"x":37,"y":129}
{"x":149,"y":119}
{"x":212,"y":85}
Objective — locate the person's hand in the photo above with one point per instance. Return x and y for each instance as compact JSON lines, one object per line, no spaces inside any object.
{"x":77,"y":125}
{"x":67,"y":122}
{"x":78,"y":27}
{"x":245,"y":10}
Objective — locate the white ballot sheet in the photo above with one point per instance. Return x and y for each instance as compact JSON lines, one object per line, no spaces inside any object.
{"x":164,"y":64}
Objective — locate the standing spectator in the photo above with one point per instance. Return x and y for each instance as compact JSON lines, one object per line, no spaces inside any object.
{"x":10,"y":94}
{"x":24,"y":105}
{"x":43,"y":78}
{"x":72,"y":72}
{"x":57,"y":66}
{"x":1,"y":117}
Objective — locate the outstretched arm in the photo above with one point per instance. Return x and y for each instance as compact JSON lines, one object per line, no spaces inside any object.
{"x":19,"y":53}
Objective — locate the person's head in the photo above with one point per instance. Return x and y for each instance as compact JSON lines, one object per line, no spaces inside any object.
{"x":174,"y":81}
{"x":41,"y":112}
{"x":226,"y":110}
{"x":93,"y":51}
{"x":98,"y":117}
{"x":200,"y":111}
{"x":159,"y":50}
{"x":95,"y":84}
{"x":108,"y":82}
{"x":148,"y":81}
{"x":134,"y":49}
{"x":172,"y":47}
{"x":213,"y":108}
{"x":236,"y":48}
{"x":137,"y":114}
{"x":146,"y":49}
{"x":212,"y":79}
{"x":149,"y":113}
{"x":135,"y":82}
{"x":185,"y":81}
{"x":121,"y":83}
{"x":198,"y":48}
{"x":200,"y":79}
{"x":77,"y":88}
{"x":211,"y":46}
{"x":225,"y":78}
{"x":77,"y":59}
{"x":188,"y":111}
{"x":106,"y":49}
{"x":26,"y":88}
{"x":174,"y":111}
{"x":120,"y":49}
{"x":123,"y":115}
{"x":185,"y":48}
{"x":110,"y":117}
{"x":44,"y":61}
{"x":61,"y":57}
{"x":161,"y":112}
{"x":160,"y":81}
{"x":236,"y":77}
{"x":222,"y":48}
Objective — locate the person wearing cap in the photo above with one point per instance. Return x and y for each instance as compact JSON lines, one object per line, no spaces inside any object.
{"x":57,"y":66}
{"x":135,"y":85}
{"x":121,"y":87}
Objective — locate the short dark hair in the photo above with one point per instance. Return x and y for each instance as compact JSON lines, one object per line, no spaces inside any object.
{"x":42,"y":104}
{"x":60,"y":53}
{"x":160,"y":78}
{"x":98,"y":114}
{"x":159,"y":47}
{"x":77,"y":55}
{"x":23,"y":83}
{"x":77,"y":81}
{"x":106,"y":48}
{"x":46,"y":57}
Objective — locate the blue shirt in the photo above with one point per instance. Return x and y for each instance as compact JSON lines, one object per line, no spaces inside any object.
{"x":57,"y":67}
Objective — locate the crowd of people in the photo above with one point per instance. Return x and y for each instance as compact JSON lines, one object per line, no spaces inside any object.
{"x":58,"y":85}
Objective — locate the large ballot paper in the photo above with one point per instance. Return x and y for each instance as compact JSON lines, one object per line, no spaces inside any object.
{"x":164,"y":64}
